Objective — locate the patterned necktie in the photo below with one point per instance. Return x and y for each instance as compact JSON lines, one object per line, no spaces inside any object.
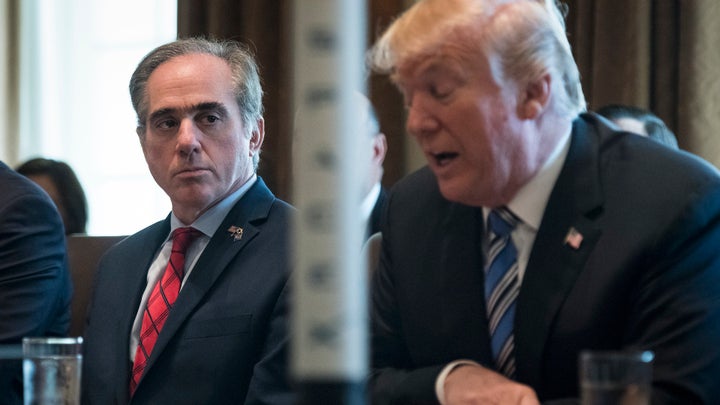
{"x":502,"y":287}
{"x":161,"y":301}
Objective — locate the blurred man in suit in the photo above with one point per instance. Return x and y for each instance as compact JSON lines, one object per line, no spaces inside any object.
{"x":372,"y":155}
{"x":222,"y":339}
{"x":536,"y":231}
{"x":639,"y":121}
{"x":35,"y":287}
{"x":373,"y":190}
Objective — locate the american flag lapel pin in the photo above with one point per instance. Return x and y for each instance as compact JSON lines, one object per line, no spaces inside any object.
{"x":236,"y":232}
{"x":573,"y":238}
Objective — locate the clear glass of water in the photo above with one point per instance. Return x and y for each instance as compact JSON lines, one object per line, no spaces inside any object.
{"x":616,"y":377}
{"x":51,"y":370}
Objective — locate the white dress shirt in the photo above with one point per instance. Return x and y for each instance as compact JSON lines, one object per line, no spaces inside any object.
{"x":368,"y":203}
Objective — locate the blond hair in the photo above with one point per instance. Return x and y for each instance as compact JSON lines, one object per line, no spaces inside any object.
{"x":527,"y":37}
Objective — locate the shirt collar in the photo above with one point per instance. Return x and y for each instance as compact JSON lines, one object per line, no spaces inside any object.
{"x":368,"y":202}
{"x":530,"y":201}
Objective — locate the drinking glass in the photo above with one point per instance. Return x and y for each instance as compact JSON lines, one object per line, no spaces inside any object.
{"x":51,"y":370}
{"x":616,"y":377}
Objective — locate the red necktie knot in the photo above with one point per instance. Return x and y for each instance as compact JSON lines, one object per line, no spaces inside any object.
{"x":183,"y":237}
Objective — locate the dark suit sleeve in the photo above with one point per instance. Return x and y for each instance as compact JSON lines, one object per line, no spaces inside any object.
{"x":34,"y":294}
{"x":270,"y":379}
{"x":677,"y":314}
{"x":394,"y":378}
{"x":34,"y":283}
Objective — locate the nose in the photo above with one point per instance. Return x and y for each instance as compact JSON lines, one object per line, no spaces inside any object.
{"x":420,"y":121}
{"x":188,"y":138}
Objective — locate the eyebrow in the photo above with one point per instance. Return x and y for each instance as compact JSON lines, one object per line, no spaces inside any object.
{"x":206,"y":106}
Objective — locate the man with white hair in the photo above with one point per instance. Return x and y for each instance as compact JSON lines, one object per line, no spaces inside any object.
{"x":536,"y":231}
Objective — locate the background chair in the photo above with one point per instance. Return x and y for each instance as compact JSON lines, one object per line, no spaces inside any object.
{"x":84,"y":254}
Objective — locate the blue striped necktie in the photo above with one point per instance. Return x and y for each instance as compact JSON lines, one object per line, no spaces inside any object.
{"x":502,"y":287}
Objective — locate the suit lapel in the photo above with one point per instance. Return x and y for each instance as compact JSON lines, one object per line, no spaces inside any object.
{"x":555,"y":260}
{"x":131,"y":285}
{"x":248,"y":213}
{"x":459,"y":275}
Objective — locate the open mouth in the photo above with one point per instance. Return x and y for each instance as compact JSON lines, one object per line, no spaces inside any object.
{"x":444,"y":158}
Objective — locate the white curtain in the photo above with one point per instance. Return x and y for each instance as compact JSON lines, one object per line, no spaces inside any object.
{"x":8,"y":82}
{"x":74,"y":61}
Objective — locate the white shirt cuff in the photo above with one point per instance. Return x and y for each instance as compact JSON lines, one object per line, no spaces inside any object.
{"x":440,"y":380}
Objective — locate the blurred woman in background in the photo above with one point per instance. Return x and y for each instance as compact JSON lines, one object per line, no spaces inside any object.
{"x":59,"y":180}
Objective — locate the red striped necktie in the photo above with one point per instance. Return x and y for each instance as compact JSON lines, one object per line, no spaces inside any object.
{"x":161,"y":301}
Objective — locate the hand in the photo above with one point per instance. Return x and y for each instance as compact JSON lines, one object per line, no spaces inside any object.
{"x":471,"y":384}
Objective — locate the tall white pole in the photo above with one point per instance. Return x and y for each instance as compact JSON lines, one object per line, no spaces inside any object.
{"x":329,"y":348}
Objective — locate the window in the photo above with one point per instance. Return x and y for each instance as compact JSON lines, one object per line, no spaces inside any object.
{"x":76,"y":60}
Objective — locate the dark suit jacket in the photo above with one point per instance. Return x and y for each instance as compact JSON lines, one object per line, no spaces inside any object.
{"x":35,"y":286}
{"x":225,"y":340}
{"x":646,"y":275}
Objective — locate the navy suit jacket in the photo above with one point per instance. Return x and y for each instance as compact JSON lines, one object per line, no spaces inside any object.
{"x":646,"y":275}
{"x":35,"y":286}
{"x":225,"y":340}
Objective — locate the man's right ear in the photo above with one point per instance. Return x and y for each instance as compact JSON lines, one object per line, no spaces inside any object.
{"x":535,"y":98}
{"x":379,"y":148}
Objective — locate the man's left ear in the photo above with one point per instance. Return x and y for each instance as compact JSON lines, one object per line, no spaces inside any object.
{"x":257,"y":136}
{"x":535,"y":97}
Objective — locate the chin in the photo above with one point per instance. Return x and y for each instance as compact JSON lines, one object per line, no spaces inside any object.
{"x":461,"y":194}
{"x":453,"y":192}
{"x":194,"y":198}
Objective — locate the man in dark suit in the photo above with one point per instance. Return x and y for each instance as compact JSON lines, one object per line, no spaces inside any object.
{"x":536,"y":231}
{"x":35,"y":286}
{"x":373,"y":190}
{"x":222,"y":339}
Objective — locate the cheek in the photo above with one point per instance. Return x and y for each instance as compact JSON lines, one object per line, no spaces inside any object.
{"x":162,"y":148}
{"x":151,"y":147}
{"x":155,"y":157}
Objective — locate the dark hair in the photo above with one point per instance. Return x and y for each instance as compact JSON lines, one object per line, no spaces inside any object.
{"x":654,"y":126}
{"x":71,"y":192}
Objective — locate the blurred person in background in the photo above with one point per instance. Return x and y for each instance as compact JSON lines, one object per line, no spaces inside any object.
{"x":639,"y":121}
{"x":373,"y":190}
{"x":62,"y":185}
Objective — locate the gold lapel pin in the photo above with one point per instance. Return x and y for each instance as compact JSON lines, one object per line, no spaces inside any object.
{"x":236,"y":232}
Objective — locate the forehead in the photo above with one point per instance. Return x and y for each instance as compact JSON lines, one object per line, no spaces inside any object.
{"x":46,"y":183}
{"x":449,"y":63}
{"x":192,"y":78}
